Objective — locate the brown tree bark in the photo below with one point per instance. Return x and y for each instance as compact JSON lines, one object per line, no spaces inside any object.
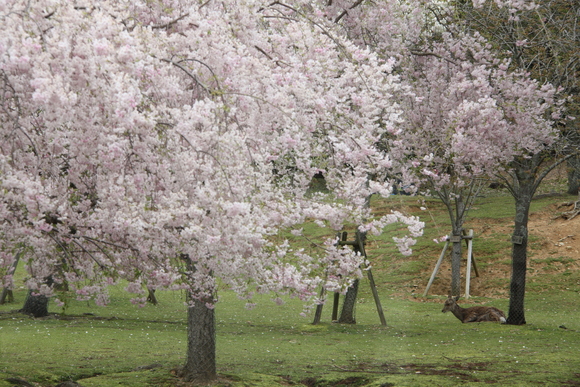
{"x":200,"y":365}
{"x":348,"y":307}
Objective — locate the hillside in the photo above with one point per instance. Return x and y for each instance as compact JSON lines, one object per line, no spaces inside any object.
{"x":553,"y":250}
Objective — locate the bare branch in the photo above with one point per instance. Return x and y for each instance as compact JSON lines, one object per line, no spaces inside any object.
{"x":425,"y":53}
{"x":213,"y":157}
{"x":172,"y":22}
{"x":99,"y":247}
{"x":314,"y":23}
{"x":105,"y":242}
{"x":345,"y":12}
{"x":263,"y":52}
{"x":103,"y":267}
{"x":278,"y":62}
{"x":197,"y":81}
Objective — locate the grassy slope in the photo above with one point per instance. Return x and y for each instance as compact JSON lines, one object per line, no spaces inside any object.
{"x":273,"y":345}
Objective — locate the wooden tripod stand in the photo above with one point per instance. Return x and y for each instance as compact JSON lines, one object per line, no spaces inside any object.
{"x":470,"y":259}
{"x":359,"y":246}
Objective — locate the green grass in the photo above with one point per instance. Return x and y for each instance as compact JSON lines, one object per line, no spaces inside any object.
{"x":270,"y":345}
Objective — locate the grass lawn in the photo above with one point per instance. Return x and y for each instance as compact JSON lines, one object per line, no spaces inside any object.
{"x":271,"y":345}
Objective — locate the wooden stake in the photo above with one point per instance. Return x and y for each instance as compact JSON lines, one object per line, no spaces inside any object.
{"x":358,"y":244}
{"x":318,"y":312}
{"x":335,"y":306}
{"x":469,"y":259}
{"x":436,"y":268}
{"x":467,"y":240}
{"x":372,"y":282}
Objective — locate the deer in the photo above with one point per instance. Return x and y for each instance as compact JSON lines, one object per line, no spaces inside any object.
{"x":473,"y":314}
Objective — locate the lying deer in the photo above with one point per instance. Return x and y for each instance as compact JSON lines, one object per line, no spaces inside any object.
{"x":473,"y":314}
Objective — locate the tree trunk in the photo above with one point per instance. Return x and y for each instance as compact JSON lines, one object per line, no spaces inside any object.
{"x":200,"y":366}
{"x":6,"y":292}
{"x":348,"y":307}
{"x":573,"y":170}
{"x":457,"y":212}
{"x":151,"y":296}
{"x":200,"y":363}
{"x":6,"y":296}
{"x":35,"y":305}
{"x":516,"y":314}
{"x":456,"y":252}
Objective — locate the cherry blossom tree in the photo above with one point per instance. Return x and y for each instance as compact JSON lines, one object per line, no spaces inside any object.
{"x":167,"y":143}
{"x":462,"y":129}
{"x":540,"y":51}
{"x":467,"y":115}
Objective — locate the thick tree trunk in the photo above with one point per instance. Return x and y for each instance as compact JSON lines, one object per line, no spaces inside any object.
{"x":573,"y":169}
{"x":200,"y":366}
{"x":35,"y":305}
{"x":516,"y":314}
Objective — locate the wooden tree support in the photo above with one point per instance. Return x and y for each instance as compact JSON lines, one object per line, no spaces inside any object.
{"x":470,"y":261}
{"x":359,"y":245}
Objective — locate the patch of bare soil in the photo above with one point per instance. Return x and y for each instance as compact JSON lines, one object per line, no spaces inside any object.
{"x":559,"y":237}
{"x":553,"y":248}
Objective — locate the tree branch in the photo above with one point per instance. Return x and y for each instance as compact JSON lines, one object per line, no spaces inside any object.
{"x":213,"y":157}
{"x":172,"y":22}
{"x":423,"y":53}
{"x":343,"y":14}
{"x":197,"y":81}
